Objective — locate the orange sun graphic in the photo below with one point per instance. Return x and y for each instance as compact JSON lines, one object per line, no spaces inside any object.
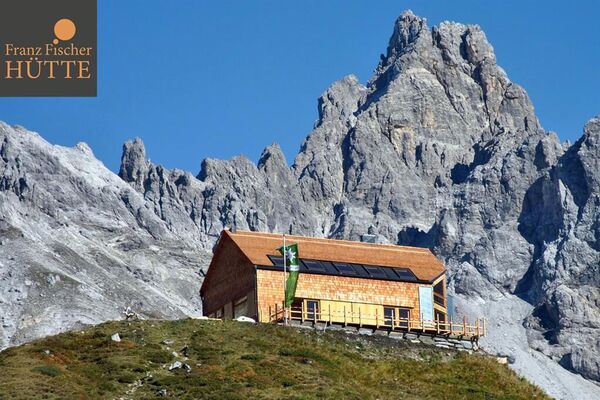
{"x":64,"y":29}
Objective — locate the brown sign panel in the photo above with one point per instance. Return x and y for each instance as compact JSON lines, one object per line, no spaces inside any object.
{"x":48,"y":48}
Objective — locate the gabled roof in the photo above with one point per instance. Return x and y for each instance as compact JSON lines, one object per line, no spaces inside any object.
{"x":258,"y":246}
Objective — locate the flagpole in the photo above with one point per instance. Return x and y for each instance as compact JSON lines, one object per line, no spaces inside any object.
{"x":284,"y":282}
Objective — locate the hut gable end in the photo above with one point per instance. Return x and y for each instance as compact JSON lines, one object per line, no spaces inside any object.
{"x":230,"y":275}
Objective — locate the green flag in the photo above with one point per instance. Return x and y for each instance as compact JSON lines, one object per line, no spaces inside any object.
{"x":290,"y":253}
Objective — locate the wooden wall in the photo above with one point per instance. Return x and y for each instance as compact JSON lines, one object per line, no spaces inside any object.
{"x":337,"y":288}
{"x":230,"y":277}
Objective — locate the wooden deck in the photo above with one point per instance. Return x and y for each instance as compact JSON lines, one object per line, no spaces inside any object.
{"x":461,"y":329}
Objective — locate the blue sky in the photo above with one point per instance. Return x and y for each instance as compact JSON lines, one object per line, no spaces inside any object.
{"x":200,"y":79}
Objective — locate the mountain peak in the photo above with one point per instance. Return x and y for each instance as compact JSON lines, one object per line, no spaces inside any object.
{"x":407,"y":29}
{"x":272,"y":156}
{"x":84,"y":148}
{"x":134,"y":165}
{"x":592,"y":128}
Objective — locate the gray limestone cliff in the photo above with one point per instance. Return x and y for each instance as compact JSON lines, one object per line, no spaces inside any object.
{"x":78,"y":244}
{"x":439,"y":149}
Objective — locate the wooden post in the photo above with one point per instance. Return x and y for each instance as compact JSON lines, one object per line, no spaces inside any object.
{"x":477,"y":327}
{"x":464,"y":326}
{"x":302,"y":311}
{"x":314,"y":315}
{"x":437,"y":324}
{"x":345,"y":323}
{"x":329,"y":310}
{"x":270,"y":315}
{"x":422,"y":324}
{"x":484,"y":331}
{"x":359,"y":318}
{"x":377,"y":318}
{"x":451,"y":330}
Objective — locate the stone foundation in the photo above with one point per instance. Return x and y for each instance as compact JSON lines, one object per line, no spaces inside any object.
{"x":442,"y":341}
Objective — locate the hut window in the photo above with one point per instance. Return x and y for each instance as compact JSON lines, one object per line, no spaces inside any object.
{"x":440,"y":316}
{"x":312,"y":309}
{"x":240,"y":307}
{"x":439,"y":288}
{"x":396,"y":316}
{"x":404,"y":316}
{"x":389,"y":314}
{"x":297,"y":308}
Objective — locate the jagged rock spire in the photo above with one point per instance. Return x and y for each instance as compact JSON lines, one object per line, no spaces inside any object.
{"x":272,"y":158}
{"x":407,"y":29}
{"x":134,"y":165}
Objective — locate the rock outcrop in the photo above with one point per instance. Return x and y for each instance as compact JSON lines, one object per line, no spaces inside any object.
{"x":563,"y":223}
{"x":438,"y":149}
{"x":78,"y":245}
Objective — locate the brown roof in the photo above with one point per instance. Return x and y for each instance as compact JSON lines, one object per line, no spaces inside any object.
{"x":258,"y":245}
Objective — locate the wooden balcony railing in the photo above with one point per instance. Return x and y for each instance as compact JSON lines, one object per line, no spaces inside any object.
{"x":462,"y":328}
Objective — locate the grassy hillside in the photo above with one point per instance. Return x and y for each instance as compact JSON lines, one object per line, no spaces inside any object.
{"x":234,"y":360}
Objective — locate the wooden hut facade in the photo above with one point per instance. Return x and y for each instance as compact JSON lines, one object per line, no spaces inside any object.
{"x":340,"y":281}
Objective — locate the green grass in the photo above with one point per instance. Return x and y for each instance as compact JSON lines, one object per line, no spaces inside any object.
{"x":233,"y":360}
{"x":49,"y":370}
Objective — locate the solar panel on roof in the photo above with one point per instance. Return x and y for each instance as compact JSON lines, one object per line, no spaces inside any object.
{"x":375,"y":272}
{"x":389,"y":272}
{"x":345,"y":269}
{"x":361,"y":271}
{"x":277,"y":261}
{"x":405,"y":274}
{"x":364,"y":271}
{"x":314,"y":266}
{"x":329,"y":268}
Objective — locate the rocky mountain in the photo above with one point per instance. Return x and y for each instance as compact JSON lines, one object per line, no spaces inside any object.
{"x":78,"y":244}
{"x":438,"y":149}
{"x":561,"y":218}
